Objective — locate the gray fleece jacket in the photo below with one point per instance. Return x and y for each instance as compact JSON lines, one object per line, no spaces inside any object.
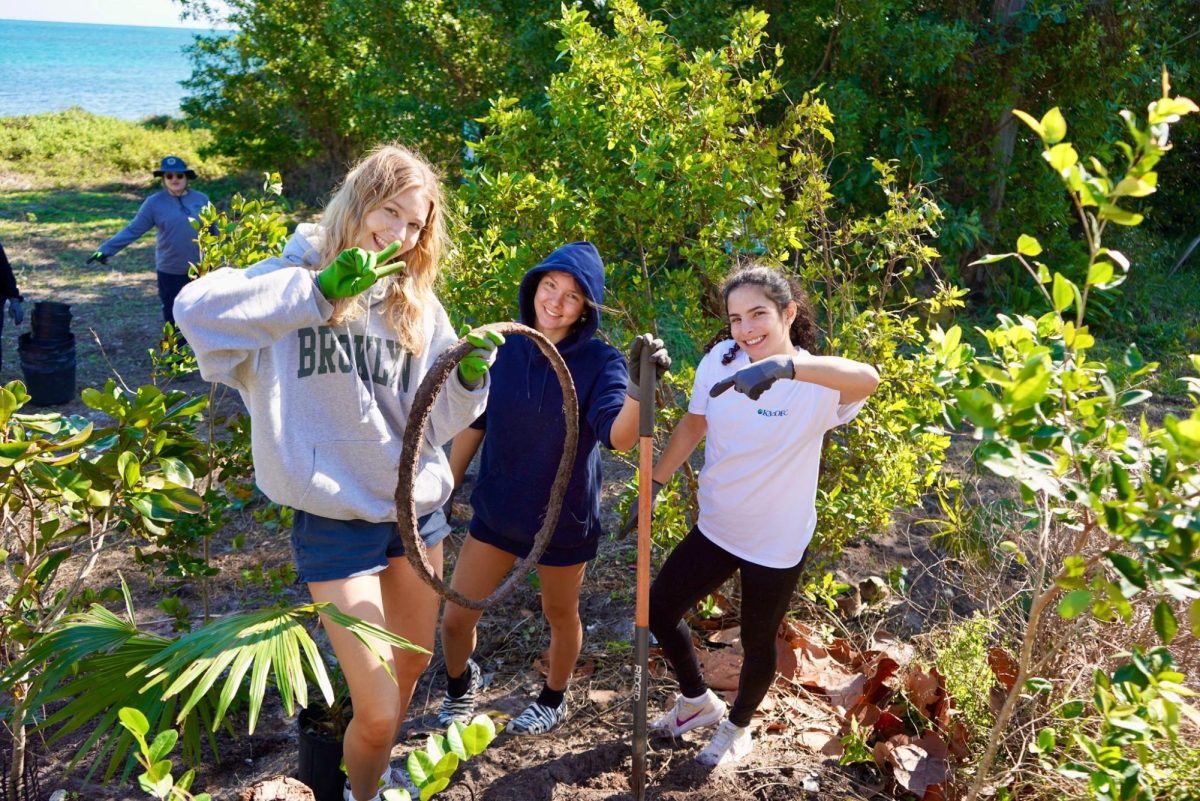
{"x":328,"y":405}
{"x":175,"y":246}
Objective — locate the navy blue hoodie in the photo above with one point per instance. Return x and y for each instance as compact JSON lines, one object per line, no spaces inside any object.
{"x":524,"y":419}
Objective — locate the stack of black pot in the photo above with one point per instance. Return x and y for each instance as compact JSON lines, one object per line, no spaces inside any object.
{"x":48,"y":355}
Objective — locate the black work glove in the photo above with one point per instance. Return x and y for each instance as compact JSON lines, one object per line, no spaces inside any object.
{"x":631,"y":522}
{"x":659,"y":355}
{"x":756,"y":379}
{"x":97,"y":256}
{"x":16,"y":310}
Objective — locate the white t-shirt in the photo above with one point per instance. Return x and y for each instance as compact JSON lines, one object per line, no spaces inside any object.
{"x":758,"y":486}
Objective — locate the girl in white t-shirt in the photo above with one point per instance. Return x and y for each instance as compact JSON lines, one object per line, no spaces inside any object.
{"x":757,"y":490}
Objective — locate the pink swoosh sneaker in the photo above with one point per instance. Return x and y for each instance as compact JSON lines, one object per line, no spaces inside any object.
{"x":690,"y":713}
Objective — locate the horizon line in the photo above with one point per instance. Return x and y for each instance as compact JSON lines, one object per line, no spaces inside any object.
{"x":114,"y":24}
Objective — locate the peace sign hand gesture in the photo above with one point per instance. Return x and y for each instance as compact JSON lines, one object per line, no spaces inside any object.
{"x":355,"y":270}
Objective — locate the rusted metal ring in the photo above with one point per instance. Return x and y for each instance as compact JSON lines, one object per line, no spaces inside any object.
{"x":414,"y":434}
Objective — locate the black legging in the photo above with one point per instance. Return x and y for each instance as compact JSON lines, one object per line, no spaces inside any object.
{"x":696,"y":568}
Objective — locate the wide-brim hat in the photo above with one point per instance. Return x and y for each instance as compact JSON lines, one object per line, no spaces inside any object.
{"x":174,"y":164}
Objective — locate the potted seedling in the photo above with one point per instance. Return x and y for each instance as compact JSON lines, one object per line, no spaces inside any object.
{"x":321,"y":728}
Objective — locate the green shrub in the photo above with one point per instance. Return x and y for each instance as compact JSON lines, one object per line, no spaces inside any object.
{"x":74,"y":147}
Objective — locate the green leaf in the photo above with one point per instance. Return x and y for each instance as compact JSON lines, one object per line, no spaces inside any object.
{"x":1071,"y":709}
{"x":1063,"y":292}
{"x":1062,"y":157}
{"x":1046,"y":740}
{"x":1073,"y":603}
{"x":1169,"y":109}
{"x":1054,"y":125}
{"x":163,"y":744}
{"x":175,"y":471}
{"x":8,"y":405}
{"x":396,"y":794}
{"x":434,"y":787}
{"x":1111,"y":211}
{"x":1164,"y":622}
{"x":478,"y":735}
{"x":992,"y":258}
{"x":446,"y":766}
{"x":420,"y":767}
{"x":134,"y":720}
{"x":1099,"y":273}
{"x":1038,"y":685}
{"x":1194,"y":617}
{"x":130,"y":469}
{"x":1037,"y":127}
{"x":1030,"y":391}
{"x":454,"y":740}
{"x":1130,"y":569}
{"x":1136,"y":187}
{"x":1028,"y":245}
{"x":435,"y":746}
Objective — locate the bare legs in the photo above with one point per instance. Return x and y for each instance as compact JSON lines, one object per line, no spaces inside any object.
{"x":403,"y":604}
{"x":479,"y":570}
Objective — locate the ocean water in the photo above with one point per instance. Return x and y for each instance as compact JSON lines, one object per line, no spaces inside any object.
{"x":116,"y":70}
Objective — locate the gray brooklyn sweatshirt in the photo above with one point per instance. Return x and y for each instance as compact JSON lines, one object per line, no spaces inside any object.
{"x":328,"y":405}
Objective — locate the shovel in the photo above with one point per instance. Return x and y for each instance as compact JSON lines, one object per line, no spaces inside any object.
{"x":641,"y":631}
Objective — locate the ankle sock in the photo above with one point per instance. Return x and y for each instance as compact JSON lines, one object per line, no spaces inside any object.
{"x":457,"y":687}
{"x":551,"y":698}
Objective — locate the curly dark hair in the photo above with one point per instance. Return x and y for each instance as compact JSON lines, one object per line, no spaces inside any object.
{"x":782,"y":289}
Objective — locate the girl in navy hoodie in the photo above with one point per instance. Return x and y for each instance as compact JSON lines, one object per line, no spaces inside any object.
{"x":522,"y":434}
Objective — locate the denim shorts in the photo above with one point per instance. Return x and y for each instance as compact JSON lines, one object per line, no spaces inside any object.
{"x":327,"y":549}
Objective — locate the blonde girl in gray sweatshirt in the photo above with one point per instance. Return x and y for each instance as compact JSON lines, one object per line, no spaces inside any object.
{"x":327,"y":345}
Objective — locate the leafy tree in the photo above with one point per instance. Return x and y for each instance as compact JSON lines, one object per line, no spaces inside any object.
{"x":305,"y":87}
{"x":1113,"y":508}
{"x":670,"y":164}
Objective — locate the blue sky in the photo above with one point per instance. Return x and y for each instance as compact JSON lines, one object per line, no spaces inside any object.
{"x":155,"y":13}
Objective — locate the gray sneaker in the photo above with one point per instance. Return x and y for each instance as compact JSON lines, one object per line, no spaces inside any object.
{"x":462,"y":708}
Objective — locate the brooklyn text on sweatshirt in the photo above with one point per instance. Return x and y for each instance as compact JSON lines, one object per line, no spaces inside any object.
{"x":323,"y":350}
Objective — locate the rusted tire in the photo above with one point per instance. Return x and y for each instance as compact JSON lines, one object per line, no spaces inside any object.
{"x":418,"y":418}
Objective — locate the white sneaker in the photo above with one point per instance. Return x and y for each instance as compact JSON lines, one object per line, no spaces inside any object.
{"x":690,"y":714}
{"x":730,"y":745}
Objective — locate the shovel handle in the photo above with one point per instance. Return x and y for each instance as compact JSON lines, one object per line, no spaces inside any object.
{"x":641,"y":647}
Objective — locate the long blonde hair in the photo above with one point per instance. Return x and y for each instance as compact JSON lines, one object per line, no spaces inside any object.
{"x":385,"y":172}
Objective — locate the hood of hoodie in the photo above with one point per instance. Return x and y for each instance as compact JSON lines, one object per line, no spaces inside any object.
{"x":582,"y":261}
{"x":304,"y":248}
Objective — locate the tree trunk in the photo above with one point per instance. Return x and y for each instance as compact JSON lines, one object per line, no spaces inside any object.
{"x":1004,"y":13}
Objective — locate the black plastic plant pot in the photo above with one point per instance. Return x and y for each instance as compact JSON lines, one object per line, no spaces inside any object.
{"x":320,"y":763}
{"x":48,"y":368}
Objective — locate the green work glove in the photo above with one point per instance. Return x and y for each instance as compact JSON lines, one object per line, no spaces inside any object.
{"x":474,"y":365}
{"x":355,"y":270}
{"x":97,"y":256}
{"x":756,"y":379}
{"x":658,"y":355}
